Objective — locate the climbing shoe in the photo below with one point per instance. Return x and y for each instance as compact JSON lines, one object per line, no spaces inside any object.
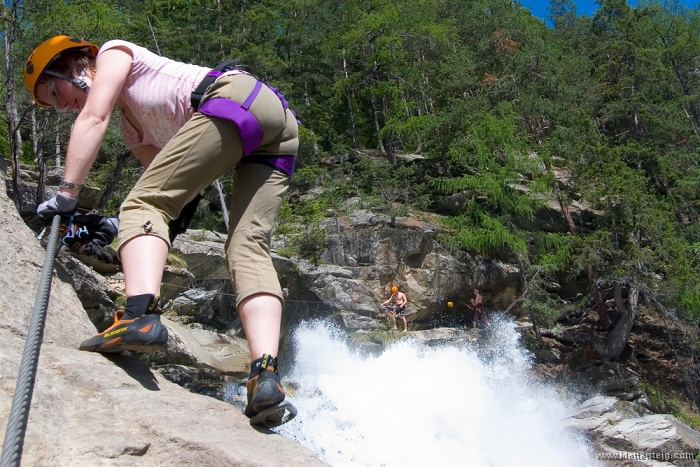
{"x":143,"y":334}
{"x":266,"y":405}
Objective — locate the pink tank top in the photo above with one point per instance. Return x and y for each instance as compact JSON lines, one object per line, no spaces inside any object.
{"x":157,"y":92}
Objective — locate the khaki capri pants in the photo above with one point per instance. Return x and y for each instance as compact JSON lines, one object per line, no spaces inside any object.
{"x":204,"y":149}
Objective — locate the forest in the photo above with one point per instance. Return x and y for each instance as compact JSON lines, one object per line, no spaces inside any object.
{"x":407,"y":102}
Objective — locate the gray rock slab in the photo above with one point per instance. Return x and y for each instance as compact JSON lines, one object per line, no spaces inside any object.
{"x":201,"y":348}
{"x":629,"y":430}
{"x":92,"y":410}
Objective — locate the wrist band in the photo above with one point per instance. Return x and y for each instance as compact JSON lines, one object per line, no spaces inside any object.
{"x":66,"y":184}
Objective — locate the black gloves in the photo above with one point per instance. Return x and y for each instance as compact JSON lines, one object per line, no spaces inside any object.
{"x":89,"y":234}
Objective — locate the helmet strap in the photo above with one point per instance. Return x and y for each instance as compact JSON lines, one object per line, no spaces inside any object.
{"x":79,"y":81}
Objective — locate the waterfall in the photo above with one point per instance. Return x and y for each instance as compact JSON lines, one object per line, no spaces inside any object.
{"x":470,"y":405}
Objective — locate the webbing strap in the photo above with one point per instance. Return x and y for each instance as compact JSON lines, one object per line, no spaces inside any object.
{"x":209,"y":78}
{"x":253,"y":94}
{"x":248,"y":126}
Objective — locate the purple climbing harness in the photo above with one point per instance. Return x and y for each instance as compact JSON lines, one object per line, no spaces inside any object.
{"x":248,"y":126}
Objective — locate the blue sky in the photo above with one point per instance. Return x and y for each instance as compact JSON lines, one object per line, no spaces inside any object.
{"x":583,"y":7}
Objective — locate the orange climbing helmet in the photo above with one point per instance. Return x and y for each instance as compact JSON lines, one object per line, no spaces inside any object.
{"x":46,"y":53}
{"x":394,"y":289}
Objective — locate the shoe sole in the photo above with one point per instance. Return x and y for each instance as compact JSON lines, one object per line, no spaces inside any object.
{"x":117,"y":345}
{"x":274,"y":415}
{"x":261,"y":404}
{"x":268,"y":392}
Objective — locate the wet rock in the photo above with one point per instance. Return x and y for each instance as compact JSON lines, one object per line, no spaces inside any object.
{"x":442,"y":336}
{"x":354,"y":322}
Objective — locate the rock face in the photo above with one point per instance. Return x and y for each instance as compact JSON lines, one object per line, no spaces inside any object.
{"x":628,"y":431}
{"x":409,"y":256}
{"x":88,"y":409}
{"x":359,"y":268}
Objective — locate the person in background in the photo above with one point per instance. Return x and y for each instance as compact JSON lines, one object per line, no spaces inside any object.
{"x":185,"y":139}
{"x":479,"y":309}
{"x":399,"y":299}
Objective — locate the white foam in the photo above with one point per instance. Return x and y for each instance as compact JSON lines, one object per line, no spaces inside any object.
{"x":417,"y":406}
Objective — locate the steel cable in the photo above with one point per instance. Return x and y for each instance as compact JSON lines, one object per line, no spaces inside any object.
{"x":21,"y":401}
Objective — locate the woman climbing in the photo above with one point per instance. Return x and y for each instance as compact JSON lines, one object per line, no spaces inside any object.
{"x":184,"y":146}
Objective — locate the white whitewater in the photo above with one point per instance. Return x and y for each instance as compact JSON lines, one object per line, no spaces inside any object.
{"x":428,"y":406}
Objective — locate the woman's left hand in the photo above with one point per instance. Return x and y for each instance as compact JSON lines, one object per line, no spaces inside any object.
{"x":59,"y":204}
